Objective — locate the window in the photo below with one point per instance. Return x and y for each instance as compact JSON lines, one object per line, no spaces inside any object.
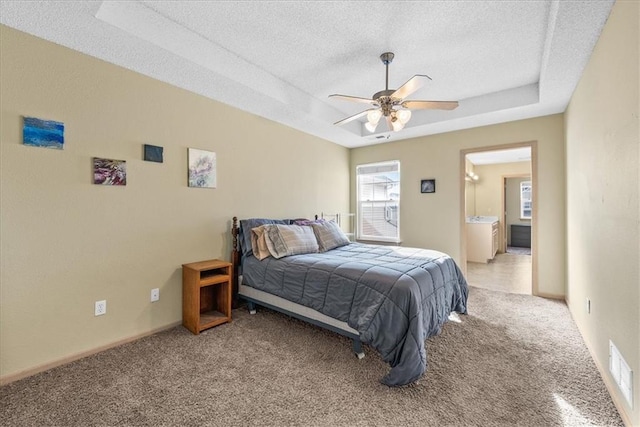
{"x":379,"y":201}
{"x":525,"y":200}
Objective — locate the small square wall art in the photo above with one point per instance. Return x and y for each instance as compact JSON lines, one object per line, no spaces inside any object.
{"x":202,"y":168}
{"x":153,"y":153}
{"x":43,"y":133}
{"x":109,"y":171}
{"x":428,"y":186}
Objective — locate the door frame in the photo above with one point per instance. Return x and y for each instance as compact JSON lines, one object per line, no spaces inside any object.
{"x":534,"y":196}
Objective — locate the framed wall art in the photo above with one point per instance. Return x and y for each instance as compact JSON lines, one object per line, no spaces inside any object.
{"x":202,"y":168}
{"x":153,"y":153}
{"x":428,"y":186}
{"x":43,"y":133}
{"x":109,"y":171}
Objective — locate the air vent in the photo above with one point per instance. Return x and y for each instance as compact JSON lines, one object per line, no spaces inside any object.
{"x":621,"y":373}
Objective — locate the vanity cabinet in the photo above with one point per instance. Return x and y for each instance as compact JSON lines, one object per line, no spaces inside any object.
{"x":482,"y":241}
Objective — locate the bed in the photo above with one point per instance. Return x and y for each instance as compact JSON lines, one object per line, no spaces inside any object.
{"x":391,"y":298}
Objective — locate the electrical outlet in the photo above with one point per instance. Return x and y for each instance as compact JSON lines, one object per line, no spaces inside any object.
{"x":588,"y":306}
{"x":101,"y":307}
{"x":155,"y":294}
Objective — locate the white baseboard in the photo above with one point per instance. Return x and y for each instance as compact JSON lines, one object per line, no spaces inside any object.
{"x":68,"y":359}
{"x":551,"y":296}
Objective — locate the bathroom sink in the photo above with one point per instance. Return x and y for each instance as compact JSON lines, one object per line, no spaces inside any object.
{"x":481,"y":219}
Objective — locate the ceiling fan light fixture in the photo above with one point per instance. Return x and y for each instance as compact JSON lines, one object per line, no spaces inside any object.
{"x":391,"y":103}
{"x":371,"y":127}
{"x":397,"y":125}
{"x":374,"y":117}
{"x":403,"y":116}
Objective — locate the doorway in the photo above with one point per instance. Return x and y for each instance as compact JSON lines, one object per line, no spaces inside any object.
{"x":498,"y":186}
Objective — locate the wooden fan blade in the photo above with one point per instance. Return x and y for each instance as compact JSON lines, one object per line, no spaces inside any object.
{"x":389,"y":123}
{"x":354,"y":117}
{"x":430,"y":105}
{"x":352,"y":98}
{"x":412,"y":85}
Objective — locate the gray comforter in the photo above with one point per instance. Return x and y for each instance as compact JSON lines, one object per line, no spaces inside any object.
{"x":394,"y":297}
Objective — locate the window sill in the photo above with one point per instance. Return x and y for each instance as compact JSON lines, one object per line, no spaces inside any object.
{"x":380,"y":242}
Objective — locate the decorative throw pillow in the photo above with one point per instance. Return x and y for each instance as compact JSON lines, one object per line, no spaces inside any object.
{"x":259,"y":242}
{"x":245,"y":231}
{"x":329,"y":235}
{"x":285,"y":240}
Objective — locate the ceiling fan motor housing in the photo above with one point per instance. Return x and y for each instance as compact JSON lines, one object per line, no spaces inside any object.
{"x":387,"y":57}
{"x":386,"y":93}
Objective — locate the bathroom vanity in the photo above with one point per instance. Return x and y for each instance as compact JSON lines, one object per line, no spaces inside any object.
{"x":482,"y":238}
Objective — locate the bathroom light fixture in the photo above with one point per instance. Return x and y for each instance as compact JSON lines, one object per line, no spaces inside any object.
{"x":471,"y":176}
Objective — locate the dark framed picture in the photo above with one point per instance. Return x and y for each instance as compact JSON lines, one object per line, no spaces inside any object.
{"x":153,"y":153}
{"x":428,"y":186}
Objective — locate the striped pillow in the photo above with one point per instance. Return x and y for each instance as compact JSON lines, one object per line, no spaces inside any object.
{"x":285,"y":240}
{"x":329,"y":235}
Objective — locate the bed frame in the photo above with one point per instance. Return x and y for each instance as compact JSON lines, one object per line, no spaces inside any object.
{"x":281,"y":305}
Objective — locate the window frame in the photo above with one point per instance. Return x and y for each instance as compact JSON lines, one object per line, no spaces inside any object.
{"x":524,"y":200}
{"x":359,"y":232}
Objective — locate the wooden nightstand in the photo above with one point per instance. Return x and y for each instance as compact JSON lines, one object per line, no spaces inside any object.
{"x":206,"y":294}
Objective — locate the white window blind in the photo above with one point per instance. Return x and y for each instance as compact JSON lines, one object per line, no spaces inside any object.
{"x":379,"y":201}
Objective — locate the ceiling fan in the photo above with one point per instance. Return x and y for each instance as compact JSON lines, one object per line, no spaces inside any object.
{"x":390,"y":103}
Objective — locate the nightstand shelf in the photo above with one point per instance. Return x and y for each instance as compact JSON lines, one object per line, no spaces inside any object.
{"x":206,"y":294}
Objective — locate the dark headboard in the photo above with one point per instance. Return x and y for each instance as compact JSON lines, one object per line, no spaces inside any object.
{"x":236,"y":257}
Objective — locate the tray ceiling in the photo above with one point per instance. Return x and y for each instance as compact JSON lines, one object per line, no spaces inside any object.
{"x":502,"y":60}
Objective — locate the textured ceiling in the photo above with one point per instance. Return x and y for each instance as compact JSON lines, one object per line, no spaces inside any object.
{"x":503,"y":60}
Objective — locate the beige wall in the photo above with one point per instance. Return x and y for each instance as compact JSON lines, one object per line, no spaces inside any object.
{"x":603,"y":211}
{"x":66,"y":243}
{"x":489,"y":186}
{"x":433,"y":220}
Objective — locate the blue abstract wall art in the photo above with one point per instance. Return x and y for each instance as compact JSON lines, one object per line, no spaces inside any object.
{"x":43,"y":133}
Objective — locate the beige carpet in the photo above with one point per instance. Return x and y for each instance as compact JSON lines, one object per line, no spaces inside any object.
{"x":506,"y":272}
{"x":514,"y":360}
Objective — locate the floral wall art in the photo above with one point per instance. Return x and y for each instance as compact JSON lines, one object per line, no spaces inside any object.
{"x":109,"y":171}
{"x":202,"y":168}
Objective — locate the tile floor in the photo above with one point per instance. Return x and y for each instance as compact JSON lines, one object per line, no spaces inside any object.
{"x":507,"y":273}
